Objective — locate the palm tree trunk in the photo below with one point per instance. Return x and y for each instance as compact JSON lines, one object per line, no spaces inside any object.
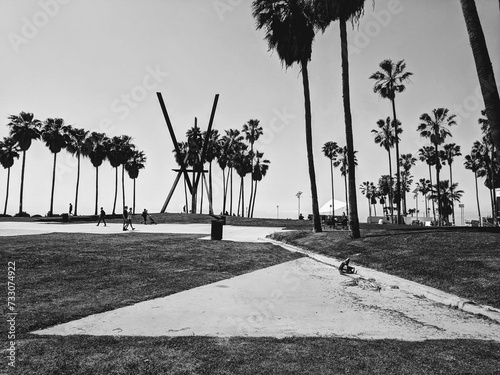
{"x":437,"y":185}
{"x":353,"y":215}
{"x":116,"y":190}
{"x":391,"y":190}
{"x":22,"y":184}
{"x":133,"y":200}
{"x":433,"y":204}
{"x":77,"y":185}
{"x":201,"y":198}
{"x":493,"y":185}
{"x":452,"y":201}
{"x":7,"y":191}
{"x":254,"y":195}
{"x":477,"y":198}
{"x":96,"y":189}
{"x":398,"y":176}
{"x":186,"y":196}
{"x":309,"y":146}
{"x":346,"y":191}
{"x":210,"y":191}
{"x":251,"y":181}
{"x":224,"y":188}
{"x":231,"y":191}
{"x":484,"y":68}
{"x":333,"y":192}
{"x":51,"y":211}
{"x":123,"y":185}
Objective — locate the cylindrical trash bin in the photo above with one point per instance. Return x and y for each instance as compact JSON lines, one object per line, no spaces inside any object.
{"x":65,"y":218}
{"x":216,"y":233}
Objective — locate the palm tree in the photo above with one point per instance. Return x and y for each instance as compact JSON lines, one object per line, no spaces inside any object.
{"x":233,"y":145}
{"x":8,"y":152}
{"x":78,"y":145}
{"x":489,"y":143}
{"x":331,"y":151}
{"x":427,"y":155}
{"x":119,"y":150}
{"x":449,"y":152}
{"x":389,"y":82}
{"x":472,"y":163}
{"x":252,"y":131}
{"x":223,"y":162}
{"x":259,"y":171}
{"x":386,"y":138}
{"x":55,"y":136}
{"x":213,"y":151}
{"x":243,"y":166}
{"x":488,"y":167}
{"x":368,"y":190}
{"x":385,"y":183}
{"x":327,"y":11}
{"x":483,"y":67}
{"x":424,"y":187}
{"x":406,"y":161}
{"x":97,"y":144}
{"x":435,"y":128}
{"x":24,"y":129}
{"x":289,"y":30}
{"x":449,"y":193}
{"x":136,"y":162}
{"x":343,"y":162}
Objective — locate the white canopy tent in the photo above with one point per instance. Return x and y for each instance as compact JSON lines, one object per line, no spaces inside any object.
{"x":326,"y":209}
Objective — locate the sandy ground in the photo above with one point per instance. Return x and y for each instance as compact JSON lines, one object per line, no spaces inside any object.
{"x":304,"y":297}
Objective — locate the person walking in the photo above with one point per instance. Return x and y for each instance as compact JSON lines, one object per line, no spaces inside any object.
{"x":125,"y":218}
{"x":144,"y":216}
{"x":102,"y":216}
{"x":70,"y":210}
{"x":129,"y":220}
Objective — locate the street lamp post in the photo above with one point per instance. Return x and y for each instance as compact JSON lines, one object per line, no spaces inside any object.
{"x":461,"y":205}
{"x":298,"y":196}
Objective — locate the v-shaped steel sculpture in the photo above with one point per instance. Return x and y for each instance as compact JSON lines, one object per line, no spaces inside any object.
{"x":192,"y":186}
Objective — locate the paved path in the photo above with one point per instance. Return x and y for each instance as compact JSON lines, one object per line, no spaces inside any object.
{"x":304,"y":297}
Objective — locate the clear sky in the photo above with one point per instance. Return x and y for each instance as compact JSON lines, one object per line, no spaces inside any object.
{"x":98,"y":64}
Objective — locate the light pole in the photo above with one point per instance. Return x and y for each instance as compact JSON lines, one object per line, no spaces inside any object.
{"x":461,"y":205}
{"x":298,"y":196}
{"x":277,"y":212}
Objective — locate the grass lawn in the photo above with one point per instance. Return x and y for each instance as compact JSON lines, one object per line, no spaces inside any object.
{"x":461,"y":261}
{"x":61,"y":277}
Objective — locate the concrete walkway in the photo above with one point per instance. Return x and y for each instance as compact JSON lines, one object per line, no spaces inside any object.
{"x":304,"y":297}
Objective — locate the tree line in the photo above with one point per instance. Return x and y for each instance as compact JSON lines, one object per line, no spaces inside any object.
{"x":119,"y":151}
{"x":290,"y":28}
{"x":234,"y":152}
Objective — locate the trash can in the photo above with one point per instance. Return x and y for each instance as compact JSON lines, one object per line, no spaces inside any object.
{"x":216,"y":232}
{"x":65,"y":218}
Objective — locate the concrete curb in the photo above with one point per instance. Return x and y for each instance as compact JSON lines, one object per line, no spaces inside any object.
{"x":412,"y":287}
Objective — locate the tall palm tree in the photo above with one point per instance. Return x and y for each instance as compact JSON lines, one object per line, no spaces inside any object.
{"x":8,"y":152}
{"x":259,"y":171}
{"x":55,"y":135}
{"x":78,"y":146}
{"x":252,"y":131}
{"x":406,"y":161}
{"x":390,"y":81}
{"x":133,"y":165}
{"x":97,"y":144}
{"x":384,"y":188}
{"x":195,"y":149}
{"x":331,"y":151}
{"x":488,"y":141}
{"x":24,"y":129}
{"x":488,"y":167}
{"x":386,"y":137}
{"x":289,"y":30}
{"x":450,"y":152}
{"x":368,"y":190}
{"x":435,"y":128}
{"x":223,"y":162}
{"x":472,"y":163}
{"x":485,"y":73}
{"x":327,"y":11}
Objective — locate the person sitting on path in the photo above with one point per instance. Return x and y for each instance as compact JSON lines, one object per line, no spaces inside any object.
{"x":345,"y":268}
{"x":129,"y":222}
{"x":102,"y":216}
{"x":125,"y":218}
